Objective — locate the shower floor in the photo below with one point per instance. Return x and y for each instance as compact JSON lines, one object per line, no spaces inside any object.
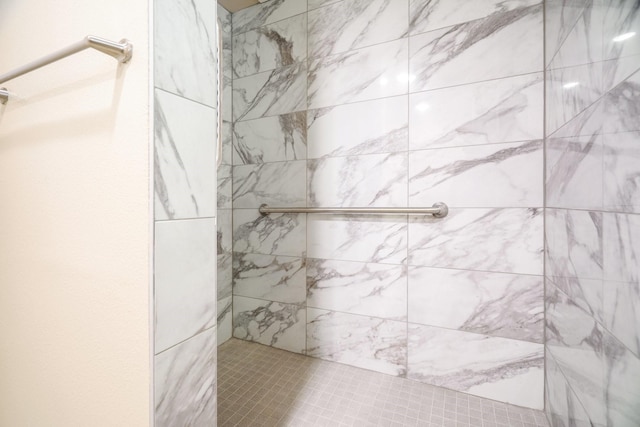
{"x":264,"y":386}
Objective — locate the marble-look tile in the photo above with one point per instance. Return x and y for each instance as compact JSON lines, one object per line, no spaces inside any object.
{"x":378,"y":290}
{"x":185,"y":280}
{"x":370,"y":127}
{"x":621,"y":18}
{"x":574,"y":172}
{"x":621,"y":112}
{"x":270,"y":323}
{"x":575,"y":340}
{"x":270,"y":139}
{"x":622,"y":172}
{"x":496,"y":368}
{"x":373,"y":72}
{"x":622,"y":376}
{"x":224,"y":325}
{"x":365,"y":342}
{"x":562,"y":406}
{"x":586,"y":123}
{"x":511,"y":175}
{"x":349,"y":181}
{"x":185,"y":383}
{"x":500,"y":240}
{"x":574,"y":244}
{"x":503,"y":110}
{"x":314,"y":4}
{"x":496,"y":304}
{"x":270,"y":93}
{"x":427,"y":15}
{"x":559,"y":18}
{"x":499,"y":45}
{"x":268,"y":277}
{"x":621,"y":301}
{"x":278,"y":184}
{"x":621,"y":247}
{"x":185,"y":49}
{"x":227,"y":142}
{"x":275,"y":234}
{"x":271,"y":46}
{"x":184,"y":134}
{"x":379,"y":239}
{"x":224,"y":274}
{"x":352,"y":24}
{"x":224,"y":187}
{"x":266,"y":13}
{"x":224,"y":231}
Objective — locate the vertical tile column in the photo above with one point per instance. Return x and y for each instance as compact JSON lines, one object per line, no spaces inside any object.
{"x":185,"y":210}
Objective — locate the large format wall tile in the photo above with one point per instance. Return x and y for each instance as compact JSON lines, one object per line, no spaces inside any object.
{"x":561,"y":405}
{"x":270,"y":93}
{"x":184,"y":49}
{"x":266,"y":13}
{"x":271,"y":46}
{"x":185,"y":280}
{"x":496,"y":304}
{"x":275,"y":234}
{"x":276,"y":184}
{"x":224,"y":324}
{"x":622,"y":172}
{"x":352,"y":24}
{"x":224,"y":187}
{"x":500,"y":45}
{"x":267,"y":277}
{"x":500,"y":240}
{"x":378,"y":290}
{"x":497,"y":368}
{"x":352,"y":181}
{"x":560,"y":17}
{"x":358,"y":238}
{"x":378,"y":126}
{"x":270,"y":139}
{"x":365,"y":342}
{"x":622,"y":375}
{"x":511,"y":176}
{"x":185,"y":383}
{"x":359,"y":75}
{"x":185,"y":134}
{"x":502,"y":110}
{"x":271,"y":323}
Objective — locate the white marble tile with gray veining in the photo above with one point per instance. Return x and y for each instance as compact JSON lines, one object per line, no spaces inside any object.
{"x":224,"y":325}
{"x":276,"y":184}
{"x":352,"y":24}
{"x":370,"y":343}
{"x":622,"y":376}
{"x":499,"y":240}
{"x":621,"y":247}
{"x":224,"y":187}
{"x":185,"y":280}
{"x":560,"y":17}
{"x":369,"y":127}
{"x":314,"y":4}
{"x":499,"y":45}
{"x":574,"y":172}
{"x":373,"y":72}
{"x":365,"y":238}
{"x":184,"y":135}
{"x":270,"y":93}
{"x":428,"y":15}
{"x":621,"y":307}
{"x":621,"y":111}
{"x":621,"y":30}
{"x":268,"y":277}
{"x":495,"y":304}
{"x":271,"y":46}
{"x":377,"y":290}
{"x":275,"y":234}
{"x":503,"y":110}
{"x":185,"y":383}
{"x":224,"y":274}
{"x":586,"y":123}
{"x":511,"y":175}
{"x":185,"y":49}
{"x":496,"y":368}
{"x":266,"y":13}
{"x":224,"y":231}
{"x":270,"y":139}
{"x":368,"y":180}
{"x":622,"y":172}
{"x":270,"y":323}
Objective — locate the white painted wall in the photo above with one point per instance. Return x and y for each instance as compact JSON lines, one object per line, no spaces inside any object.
{"x":74,"y":219}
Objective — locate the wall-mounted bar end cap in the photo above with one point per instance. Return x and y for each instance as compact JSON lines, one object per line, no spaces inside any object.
{"x":443,"y":210}
{"x":4,"y":95}
{"x":262,"y":208}
{"x":127,"y":53}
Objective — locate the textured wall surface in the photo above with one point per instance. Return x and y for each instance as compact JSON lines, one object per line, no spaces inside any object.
{"x":185,"y":96}
{"x":592,"y":222}
{"x":393,"y":103}
{"x":75,"y":226}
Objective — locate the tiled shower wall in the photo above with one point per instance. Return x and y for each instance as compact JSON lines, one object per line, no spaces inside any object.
{"x":185,"y":209}
{"x":592,"y":220}
{"x":393,"y":103}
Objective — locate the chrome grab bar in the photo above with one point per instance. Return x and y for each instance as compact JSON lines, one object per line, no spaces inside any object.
{"x":438,"y":210}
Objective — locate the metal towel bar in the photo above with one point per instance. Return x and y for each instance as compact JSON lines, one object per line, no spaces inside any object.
{"x":438,"y":210}
{"x":121,"y":51}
